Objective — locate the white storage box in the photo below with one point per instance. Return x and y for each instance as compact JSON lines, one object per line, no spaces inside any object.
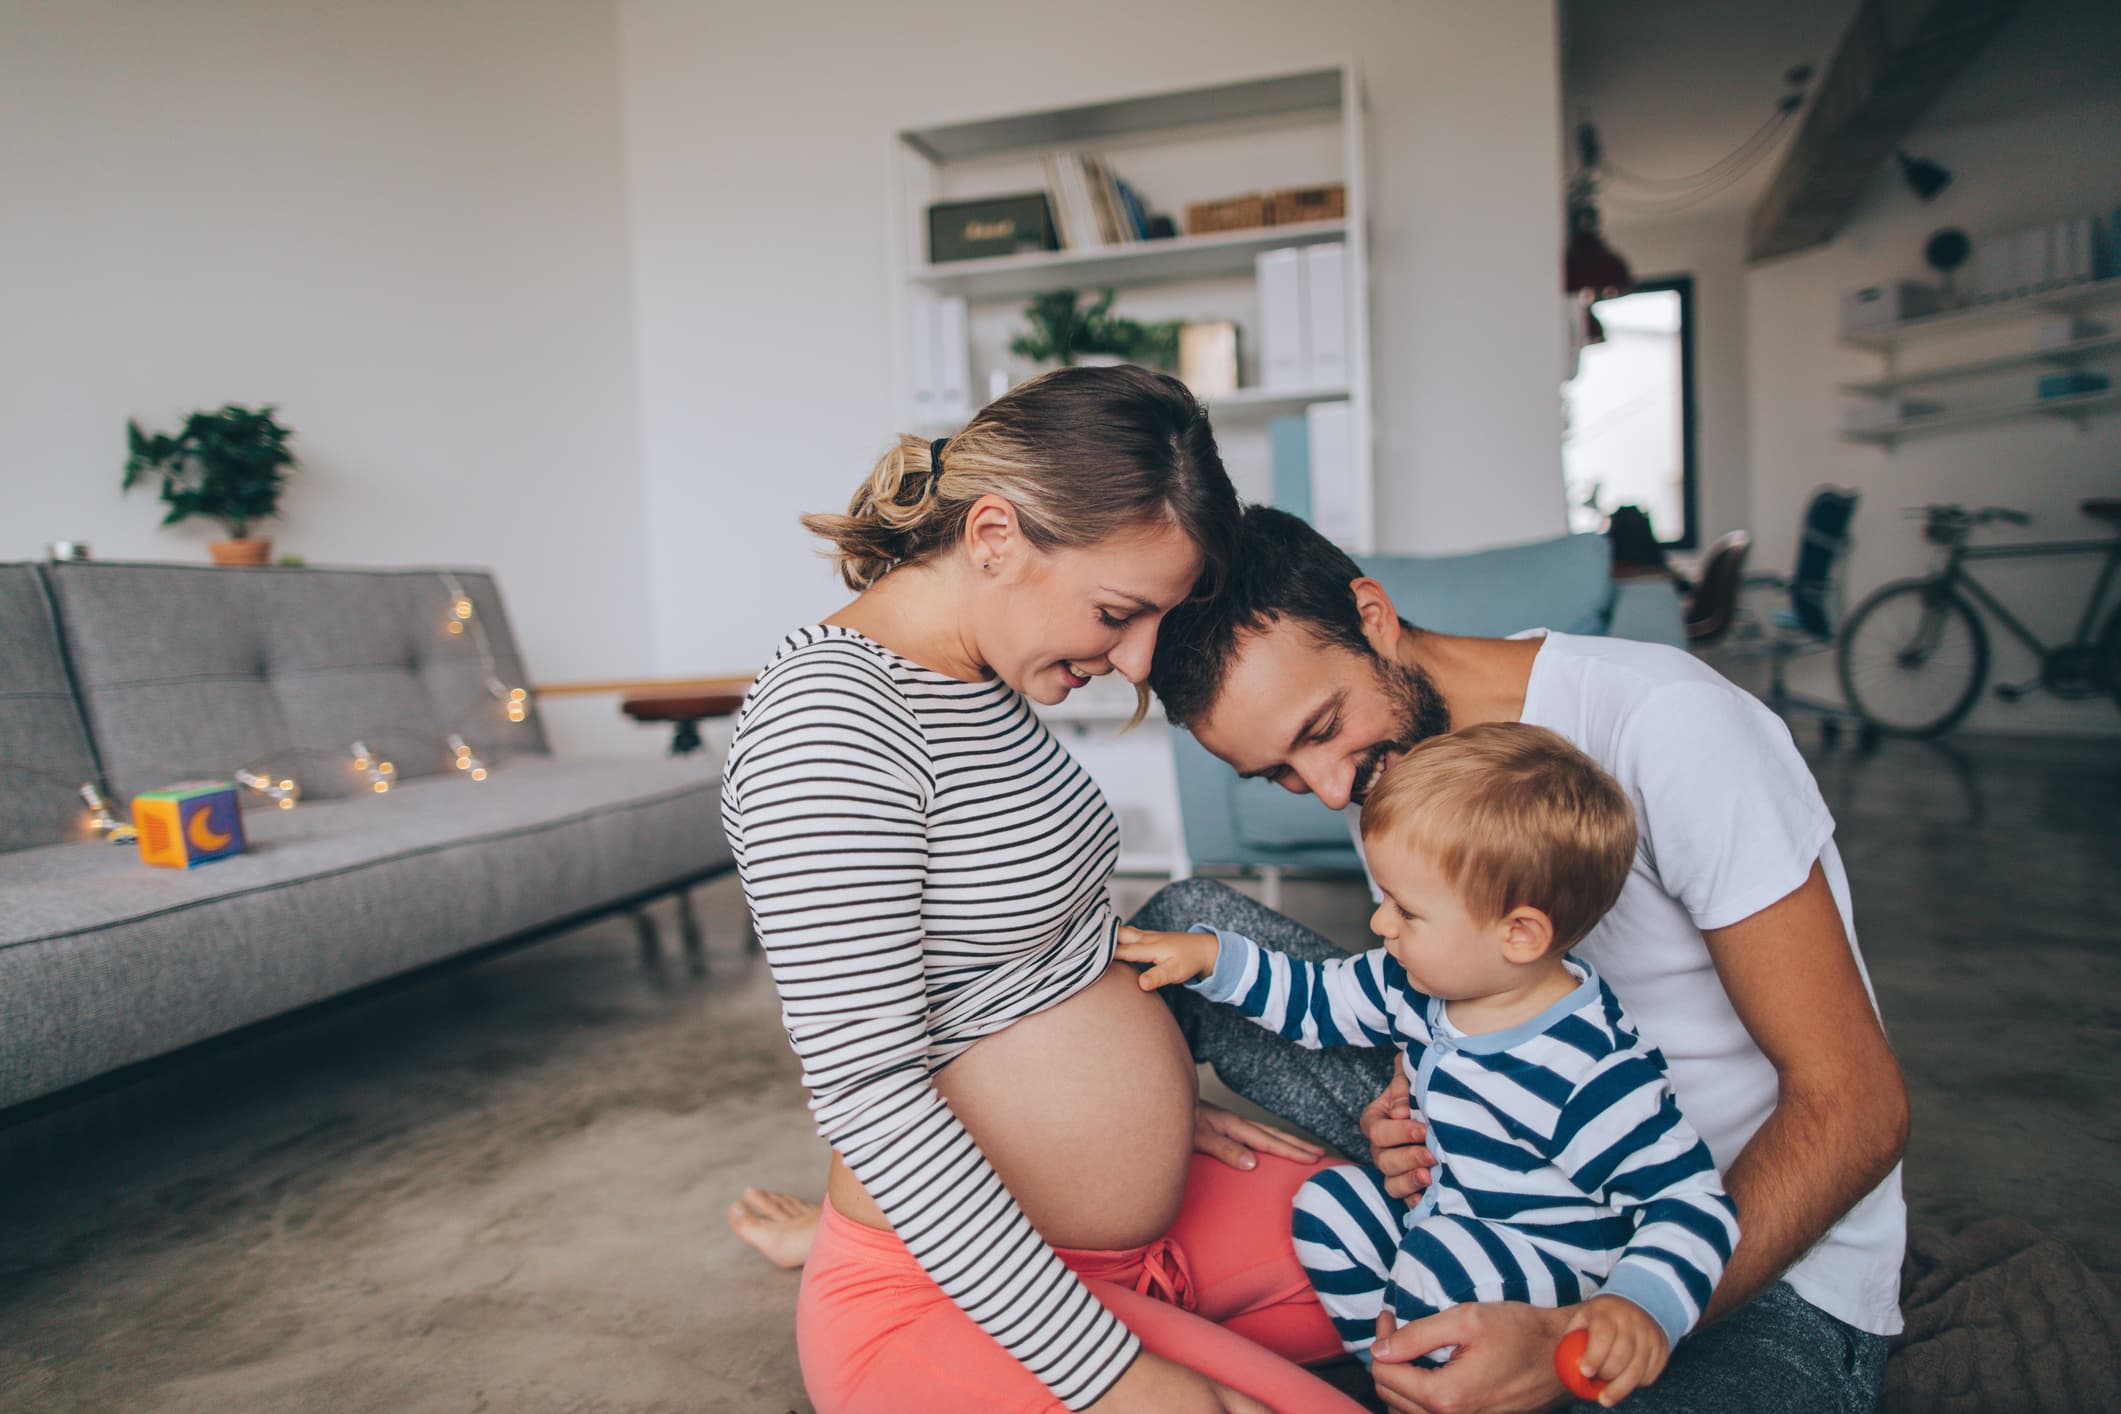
{"x":1888,"y":303}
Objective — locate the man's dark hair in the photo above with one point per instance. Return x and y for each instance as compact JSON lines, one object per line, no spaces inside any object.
{"x":1282,"y":569}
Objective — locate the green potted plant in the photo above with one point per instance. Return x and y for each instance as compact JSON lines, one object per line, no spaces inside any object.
{"x":229,"y":466}
{"x":1063,"y":331}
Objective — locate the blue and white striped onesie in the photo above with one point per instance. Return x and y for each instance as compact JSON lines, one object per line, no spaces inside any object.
{"x":1563,"y":1166}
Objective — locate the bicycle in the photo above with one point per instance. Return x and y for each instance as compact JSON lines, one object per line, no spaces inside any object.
{"x":1915,"y":655}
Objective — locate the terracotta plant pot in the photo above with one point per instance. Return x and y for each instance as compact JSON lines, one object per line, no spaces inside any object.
{"x":250,"y":550}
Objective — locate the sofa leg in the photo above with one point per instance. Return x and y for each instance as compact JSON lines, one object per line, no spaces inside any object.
{"x":1270,"y":886}
{"x":689,"y":934}
{"x":651,"y":943}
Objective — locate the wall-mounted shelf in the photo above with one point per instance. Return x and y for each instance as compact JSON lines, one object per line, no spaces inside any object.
{"x":2075,"y":408}
{"x":2069,"y":299}
{"x":1179,"y":258}
{"x":2070,"y":355}
{"x":2013,"y":405}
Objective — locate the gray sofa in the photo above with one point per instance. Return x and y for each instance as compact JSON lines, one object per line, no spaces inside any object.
{"x":135,"y":676}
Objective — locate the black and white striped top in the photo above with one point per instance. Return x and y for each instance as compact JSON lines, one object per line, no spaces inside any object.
{"x":925,"y":864}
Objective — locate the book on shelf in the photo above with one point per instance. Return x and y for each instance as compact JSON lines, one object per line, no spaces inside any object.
{"x":1065,"y":219}
{"x":1105,"y":197}
{"x":1137,"y":214}
{"x":1092,"y":206}
{"x":1085,"y":203}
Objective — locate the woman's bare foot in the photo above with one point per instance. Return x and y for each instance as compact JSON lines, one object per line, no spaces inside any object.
{"x":780,"y":1225}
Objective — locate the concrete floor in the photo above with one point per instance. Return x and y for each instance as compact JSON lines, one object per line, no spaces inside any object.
{"x":503,"y":1188}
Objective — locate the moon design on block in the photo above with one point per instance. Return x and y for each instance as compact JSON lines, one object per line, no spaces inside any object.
{"x":201,"y":831}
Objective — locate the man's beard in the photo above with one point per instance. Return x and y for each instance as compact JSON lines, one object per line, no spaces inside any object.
{"x":1419,"y":709}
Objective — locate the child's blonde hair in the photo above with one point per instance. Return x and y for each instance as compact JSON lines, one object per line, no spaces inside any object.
{"x":1513,"y":816}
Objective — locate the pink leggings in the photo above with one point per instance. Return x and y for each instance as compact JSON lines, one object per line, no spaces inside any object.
{"x":1219,"y":1293}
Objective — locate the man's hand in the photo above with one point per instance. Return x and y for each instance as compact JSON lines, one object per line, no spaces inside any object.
{"x":1396,"y":1136}
{"x":1503,"y":1361}
{"x":1171,"y":957}
{"x":1626,"y":1349}
{"x":1232,"y":1138}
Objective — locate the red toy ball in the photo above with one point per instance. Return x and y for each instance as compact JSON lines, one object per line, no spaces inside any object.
{"x":1568,"y":1358}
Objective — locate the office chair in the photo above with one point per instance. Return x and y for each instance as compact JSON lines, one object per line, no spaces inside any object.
{"x":1812,"y":619}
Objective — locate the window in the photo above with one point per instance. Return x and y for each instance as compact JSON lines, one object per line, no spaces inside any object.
{"x":1630,"y":408}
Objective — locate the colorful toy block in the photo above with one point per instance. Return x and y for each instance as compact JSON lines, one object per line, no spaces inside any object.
{"x":189,"y":823}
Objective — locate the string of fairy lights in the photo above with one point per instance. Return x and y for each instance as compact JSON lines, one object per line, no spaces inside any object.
{"x":371,"y":767}
{"x":464,"y":619}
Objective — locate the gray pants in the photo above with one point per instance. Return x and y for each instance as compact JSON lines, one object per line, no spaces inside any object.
{"x":1778,"y":1355}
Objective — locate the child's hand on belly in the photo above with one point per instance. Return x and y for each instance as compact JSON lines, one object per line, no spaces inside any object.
{"x":1170,"y":957}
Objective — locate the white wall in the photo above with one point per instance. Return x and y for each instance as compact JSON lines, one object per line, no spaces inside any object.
{"x":402,"y":222}
{"x":759,"y":144}
{"x":2040,"y":167}
{"x":495,"y":258}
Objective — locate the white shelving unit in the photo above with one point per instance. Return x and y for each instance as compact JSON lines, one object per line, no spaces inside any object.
{"x":2075,"y":407}
{"x":1297,"y":129}
{"x":2068,"y":299}
{"x":1282,"y":130}
{"x":1889,"y":339}
{"x":2074,"y":354}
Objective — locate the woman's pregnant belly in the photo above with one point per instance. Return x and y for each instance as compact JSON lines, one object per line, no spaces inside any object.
{"x":1086,"y":1112}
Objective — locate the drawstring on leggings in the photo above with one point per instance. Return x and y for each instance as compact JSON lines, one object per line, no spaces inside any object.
{"x":1165,"y":1276}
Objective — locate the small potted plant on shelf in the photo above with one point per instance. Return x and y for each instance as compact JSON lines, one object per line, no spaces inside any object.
{"x":229,"y":466}
{"x":1063,"y":331}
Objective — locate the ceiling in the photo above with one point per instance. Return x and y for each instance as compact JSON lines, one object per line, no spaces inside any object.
{"x":1674,"y":85}
{"x":2052,"y":54}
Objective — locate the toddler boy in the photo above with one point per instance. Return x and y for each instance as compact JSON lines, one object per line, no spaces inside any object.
{"x":1564,"y":1171}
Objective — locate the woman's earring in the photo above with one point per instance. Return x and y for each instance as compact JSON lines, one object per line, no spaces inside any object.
{"x":987,"y":565}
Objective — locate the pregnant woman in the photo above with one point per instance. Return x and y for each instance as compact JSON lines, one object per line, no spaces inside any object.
{"x":1014,"y":1219}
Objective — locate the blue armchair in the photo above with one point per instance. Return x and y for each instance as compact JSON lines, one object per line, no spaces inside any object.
{"x":1565,"y":583}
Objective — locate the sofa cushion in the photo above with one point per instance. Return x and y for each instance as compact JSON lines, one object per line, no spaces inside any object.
{"x":190,"y":671}
{"x":1562,"y":583}
{"x":44,"y":751}
{"x":105,"y":960}
{"x":1565,"y":583}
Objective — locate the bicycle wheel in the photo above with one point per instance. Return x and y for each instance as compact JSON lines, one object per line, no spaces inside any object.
{"x":1913,"y":658}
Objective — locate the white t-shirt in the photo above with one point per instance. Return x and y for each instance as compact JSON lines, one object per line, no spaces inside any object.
{"x":1731,"y":822}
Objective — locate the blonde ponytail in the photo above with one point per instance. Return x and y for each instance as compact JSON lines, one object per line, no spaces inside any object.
{"x":885,"y":518}
{"x":1081,"y":453}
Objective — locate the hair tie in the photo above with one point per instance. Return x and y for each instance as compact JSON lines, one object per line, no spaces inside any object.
{"x":935,"y":456}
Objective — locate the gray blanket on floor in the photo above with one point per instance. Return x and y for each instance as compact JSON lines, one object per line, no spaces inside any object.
{"x":2002,"y":1319}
